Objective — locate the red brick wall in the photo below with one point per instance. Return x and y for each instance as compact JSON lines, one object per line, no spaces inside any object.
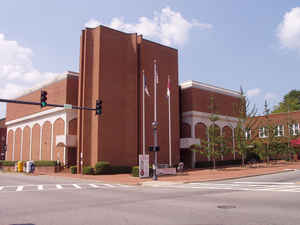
{"x":60,"y":92}
{"x":276,"y":119}
{"x":185,"y":130}
{"x":227,"y":133}
{"x":46,"y":141}
{"x":195,"y":99}
{"x":36,"y":142}
{"x":167,"y":65}
{"x":26,"y":144}
{"x":17,"y":152}
{"x":111,"y":64}
{"x":9,"y":145}
{"x":109,"y":73}
{"x":58,"y":129}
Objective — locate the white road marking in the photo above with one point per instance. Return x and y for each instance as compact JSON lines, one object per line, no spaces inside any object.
{"x":20,"y":188}
{"x":40,"y":187}
{"x":53,"y":187}
{"x":94,"y":185}
{"x":76,"y":186}
{"x":262,"y":183}
{"x":108,"y":185}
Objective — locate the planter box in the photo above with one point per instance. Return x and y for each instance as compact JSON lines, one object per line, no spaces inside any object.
{"x":7,"y":168}
{"x":46,"y":169}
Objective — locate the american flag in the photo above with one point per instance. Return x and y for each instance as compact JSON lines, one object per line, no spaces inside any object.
{"x":145,"y":86}
{"x":169,"y":87}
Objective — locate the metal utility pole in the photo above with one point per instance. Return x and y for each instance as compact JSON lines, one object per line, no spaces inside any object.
{"x":155,"y":124}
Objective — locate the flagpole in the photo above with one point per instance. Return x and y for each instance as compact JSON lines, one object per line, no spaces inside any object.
{"x":170,"y":141}
{"x":155,"y":124}
{"x":143,"y":113}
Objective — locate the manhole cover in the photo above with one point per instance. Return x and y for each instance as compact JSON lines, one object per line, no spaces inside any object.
{"x":226,"y":206}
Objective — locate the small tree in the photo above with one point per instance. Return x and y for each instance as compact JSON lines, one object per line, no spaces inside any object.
{"x":268,"y":130}
{"x":216,"y":145}
{"x":285,"y":147}
{"x":243,"y":137}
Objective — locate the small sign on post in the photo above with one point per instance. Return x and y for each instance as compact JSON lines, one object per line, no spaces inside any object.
{"x":67,"y":106}
{"x":143,"y":166}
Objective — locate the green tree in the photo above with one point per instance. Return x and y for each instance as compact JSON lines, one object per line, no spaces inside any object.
{"x":243,"y":137}
{"x":285,"y":147}
{"x":216,"y":145}
{"x":291,"y":101}
{"x":268,"y":131}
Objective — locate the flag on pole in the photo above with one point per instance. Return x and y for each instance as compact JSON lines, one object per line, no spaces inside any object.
{"x":145,"y":86}
{"x":169,"y":87}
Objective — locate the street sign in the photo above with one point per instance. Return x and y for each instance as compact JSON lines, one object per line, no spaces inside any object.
{"x":67,"y":106}
{"x":143,"y":165}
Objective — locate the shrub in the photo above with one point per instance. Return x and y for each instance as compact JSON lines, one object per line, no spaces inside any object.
{"x":209,"y":164}
{"x":103,"y":167}
{"x":252,"y":156}
{"x":88,"y":170}
{"x":135,"y":171}
{"x":44,"y":163}
{"x":120,"y":169}
{"x":73,"y":169}
{"x":7,"y":163}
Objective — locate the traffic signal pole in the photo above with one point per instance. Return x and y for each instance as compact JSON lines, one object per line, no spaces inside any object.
{"x":50,"y":105}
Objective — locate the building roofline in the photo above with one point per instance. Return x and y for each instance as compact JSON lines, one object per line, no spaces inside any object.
{"x":55,"y":79}
{"x":142,"y":36}
{"x":209,"y":87}
{"x":272,"y":114}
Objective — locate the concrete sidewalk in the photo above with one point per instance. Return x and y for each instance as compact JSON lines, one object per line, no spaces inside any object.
{"x":196,"y":175}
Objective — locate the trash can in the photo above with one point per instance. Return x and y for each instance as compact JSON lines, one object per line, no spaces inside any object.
{"x":24,"y":166}
{"x":16,"y":166}
{"x":29,"y":166}
{"x":20,"y":166}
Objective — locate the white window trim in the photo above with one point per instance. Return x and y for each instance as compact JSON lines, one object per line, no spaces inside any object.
{"x":278,"y":130}
{"x":263,"y":132}
{"x":248,"y":134}
{"x":295,"y":126}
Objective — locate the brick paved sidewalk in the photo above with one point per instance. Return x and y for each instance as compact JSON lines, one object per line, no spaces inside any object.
{"x":192,"y":175}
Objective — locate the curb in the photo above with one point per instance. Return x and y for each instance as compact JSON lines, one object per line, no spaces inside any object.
{"x":234,"y":178}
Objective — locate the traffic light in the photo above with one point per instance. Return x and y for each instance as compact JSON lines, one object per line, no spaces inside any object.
{"x":98,"y":107}
{"x":43,"y":98}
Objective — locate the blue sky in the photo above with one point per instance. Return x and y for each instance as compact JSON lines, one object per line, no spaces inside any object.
{"x":252,"y":43}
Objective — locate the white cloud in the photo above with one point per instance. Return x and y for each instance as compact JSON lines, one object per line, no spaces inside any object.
{"x":253,"y":92}
{"x":271,"y":96}
{"x":17,"y":72}
{"x":288,"y":30}
{"x":168,"y":26}
{"x":92,"y":23}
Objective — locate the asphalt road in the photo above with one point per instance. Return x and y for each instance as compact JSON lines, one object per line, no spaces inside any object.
{"x":42,"y":200}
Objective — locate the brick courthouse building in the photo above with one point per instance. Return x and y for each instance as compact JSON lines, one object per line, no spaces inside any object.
{"x":111,"y":65}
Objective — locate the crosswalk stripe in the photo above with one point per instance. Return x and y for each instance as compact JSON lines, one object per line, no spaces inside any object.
{"x":76,"y":186}
{"x":40,"y":187}
{"x":248,"y":182}
{"x":58,"y":186}
{"x":20,"y":188}
{"x":94,"y":185}
{"x":1,"y":188}
{"x":108,"y":185}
